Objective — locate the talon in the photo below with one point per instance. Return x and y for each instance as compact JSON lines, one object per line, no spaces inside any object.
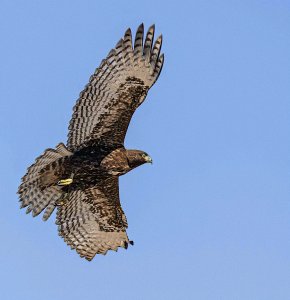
{"x":125,"y":245}
{"x":65,"y":182}
{"x":62,"y":201}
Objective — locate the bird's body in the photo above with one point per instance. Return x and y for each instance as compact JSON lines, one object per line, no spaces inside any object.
{"x":80,"y":179}
{"x":89,"y":166}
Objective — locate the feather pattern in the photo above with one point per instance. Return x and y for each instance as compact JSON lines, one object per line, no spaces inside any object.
{"x":115,"y":90}
{"x":148,"y":42}
{"x":92,"y":221}
{"x":32,"y":194}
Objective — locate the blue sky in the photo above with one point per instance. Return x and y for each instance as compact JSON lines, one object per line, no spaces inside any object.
{"x":211,"y":218}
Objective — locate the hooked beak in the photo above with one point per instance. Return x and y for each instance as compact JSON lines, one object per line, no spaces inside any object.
{"x":149,"y":159}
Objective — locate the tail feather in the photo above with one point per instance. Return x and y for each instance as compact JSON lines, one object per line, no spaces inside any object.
{"x":49,"y":210}
{"x":32,"y":193}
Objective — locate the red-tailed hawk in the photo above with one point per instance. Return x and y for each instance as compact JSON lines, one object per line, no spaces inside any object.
{"x":81,"y":178}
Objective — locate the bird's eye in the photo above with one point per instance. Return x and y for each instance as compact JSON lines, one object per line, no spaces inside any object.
{"x":144,"y":155}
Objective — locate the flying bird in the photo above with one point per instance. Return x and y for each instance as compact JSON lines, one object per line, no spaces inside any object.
{"x":81,"y":179}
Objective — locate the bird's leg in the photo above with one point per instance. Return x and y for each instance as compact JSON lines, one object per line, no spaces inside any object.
{"x":66,"y":181}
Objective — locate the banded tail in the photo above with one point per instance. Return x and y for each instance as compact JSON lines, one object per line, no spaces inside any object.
{"x":36,"y":192}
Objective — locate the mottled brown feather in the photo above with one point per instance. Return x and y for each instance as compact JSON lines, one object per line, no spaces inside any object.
{"x":120,"y":84}
{"x":92,"y":221}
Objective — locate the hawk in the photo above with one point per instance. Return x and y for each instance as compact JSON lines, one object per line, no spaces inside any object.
{"x":80,"y":179}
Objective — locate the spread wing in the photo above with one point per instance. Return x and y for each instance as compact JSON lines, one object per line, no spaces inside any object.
{"x":120,"y":84}
{"x":92,"y":221}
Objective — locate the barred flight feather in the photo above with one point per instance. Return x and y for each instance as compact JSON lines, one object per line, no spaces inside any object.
{"x":102,"y":103}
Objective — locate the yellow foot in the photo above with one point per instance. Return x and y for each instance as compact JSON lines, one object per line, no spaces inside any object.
{"x":65,"y":182}
{"x":62,"y":201}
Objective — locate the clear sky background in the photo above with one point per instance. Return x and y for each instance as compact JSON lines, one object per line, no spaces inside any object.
{"x":211,"y":217}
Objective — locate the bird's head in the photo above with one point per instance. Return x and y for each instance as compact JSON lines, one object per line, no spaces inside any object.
{"x":137,"y":158}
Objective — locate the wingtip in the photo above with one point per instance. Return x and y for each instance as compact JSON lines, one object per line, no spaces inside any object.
{"x":128,"y":38}
{"x":119,"y":44}
{"x":128,"y":32}
{"x":141,"y":26}
{"x":160,"y":37}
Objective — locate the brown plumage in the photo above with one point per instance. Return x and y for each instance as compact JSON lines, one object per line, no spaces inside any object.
{"x":81,"y":178}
